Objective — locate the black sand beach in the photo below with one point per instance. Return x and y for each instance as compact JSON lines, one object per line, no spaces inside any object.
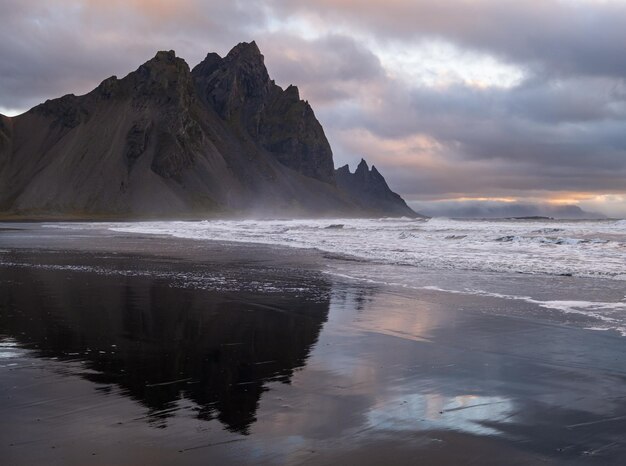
{"x":127,"y":349}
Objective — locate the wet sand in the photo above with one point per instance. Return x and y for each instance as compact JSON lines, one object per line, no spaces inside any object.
{"x":122,"y":349}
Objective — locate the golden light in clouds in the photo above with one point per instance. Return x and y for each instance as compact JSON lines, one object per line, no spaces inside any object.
{"x":574,"y":198}
{"x":483,"y":199}
{"x":145,"y":5}
{"x":418,"y":150}
{"x":155,"y":9}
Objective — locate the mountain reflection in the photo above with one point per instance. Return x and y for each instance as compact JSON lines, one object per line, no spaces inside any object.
{"x":161,"y":344}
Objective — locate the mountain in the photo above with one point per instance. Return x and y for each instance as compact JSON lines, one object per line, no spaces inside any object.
{"x":368,"y":189}
{"x":167,"y":141}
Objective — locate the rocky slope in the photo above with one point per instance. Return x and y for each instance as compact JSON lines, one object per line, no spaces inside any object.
{"x":369,"y":190}
{"x":167,"y":141}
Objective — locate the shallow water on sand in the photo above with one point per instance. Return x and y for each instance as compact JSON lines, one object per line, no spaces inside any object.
{"x":102,"y":363}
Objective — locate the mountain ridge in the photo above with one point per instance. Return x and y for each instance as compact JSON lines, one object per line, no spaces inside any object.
{"x":170,"y":141}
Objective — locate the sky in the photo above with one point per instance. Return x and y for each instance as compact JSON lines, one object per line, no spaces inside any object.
{"x":465,"y":101}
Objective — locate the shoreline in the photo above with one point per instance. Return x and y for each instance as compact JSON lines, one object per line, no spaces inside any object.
{"x":400,"y":277}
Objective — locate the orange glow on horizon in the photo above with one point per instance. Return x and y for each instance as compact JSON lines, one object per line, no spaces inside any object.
{"x":484,"y":199}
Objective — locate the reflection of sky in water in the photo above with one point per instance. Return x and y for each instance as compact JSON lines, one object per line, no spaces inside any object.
{"x":387,"y":370}
{"x":463,"y":413}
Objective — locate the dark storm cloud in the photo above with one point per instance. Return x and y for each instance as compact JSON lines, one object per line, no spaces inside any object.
{"x":562,"y":37}
{"x":327,"y":69}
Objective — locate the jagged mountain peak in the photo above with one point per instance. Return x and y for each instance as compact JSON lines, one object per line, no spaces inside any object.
{"x":246,"y":61}
{"x":164,"y":63}
{"x":292,"y":92}
{"x":370,"y":189}
{"x":207,"y":66}
{"x":164,"y":77}
{"x":362,"y":171}
{"x":343,"y":170}
{"x":362,"y":168}
{"x":239,"y":89}
{"x":165,"y":55}
{"x":375,"y":173}
{"x":236,"y":85}
{"x":245,"y":50}
{"x":245,"y":55}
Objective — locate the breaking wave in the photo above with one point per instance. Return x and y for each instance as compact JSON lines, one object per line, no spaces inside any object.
{"x":576,"y":248}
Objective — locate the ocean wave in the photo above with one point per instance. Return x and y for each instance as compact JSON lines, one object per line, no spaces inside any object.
{"x":595,"y":249}
{"x":606,"y":315}
{"x":556,"y":240}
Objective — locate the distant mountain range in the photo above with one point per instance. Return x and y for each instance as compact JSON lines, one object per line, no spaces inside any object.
{"x":495,"y":209}
{"x":167,"y":141}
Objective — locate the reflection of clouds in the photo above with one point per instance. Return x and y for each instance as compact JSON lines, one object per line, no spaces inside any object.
{"x":462,"y":413}
{"x":379,"y":373}
{"x":394,"y":315}
{"x":374,"y":368}
{"x":355,"y":364}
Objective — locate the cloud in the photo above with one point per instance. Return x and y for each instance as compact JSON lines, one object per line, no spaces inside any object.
{"x":326,"y":70}
{"x":558,"y":36}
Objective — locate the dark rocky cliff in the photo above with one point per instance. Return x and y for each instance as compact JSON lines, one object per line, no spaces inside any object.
{"x":241,"y":92}
{"x":368,"y":189}
{"x":168,"y":141}
{"x":5,"y":133}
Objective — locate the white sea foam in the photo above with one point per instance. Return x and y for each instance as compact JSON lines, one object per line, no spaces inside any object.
{"x":583,"y":249}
